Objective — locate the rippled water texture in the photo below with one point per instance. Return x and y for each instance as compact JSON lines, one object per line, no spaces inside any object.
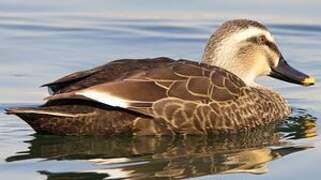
{"x":43,"y":40}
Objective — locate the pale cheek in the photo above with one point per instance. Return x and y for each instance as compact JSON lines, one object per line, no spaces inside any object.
{"x":266,"y":71}
{"x":275,"y":60}
{"x":263,"y":70}
{"x":262,"y":67}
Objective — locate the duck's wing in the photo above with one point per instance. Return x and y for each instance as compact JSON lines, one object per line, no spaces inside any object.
{"x":161,"y":91}
{"x":105,"y":73}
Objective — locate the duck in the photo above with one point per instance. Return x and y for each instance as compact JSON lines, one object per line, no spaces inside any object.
{"x":163,"y":96}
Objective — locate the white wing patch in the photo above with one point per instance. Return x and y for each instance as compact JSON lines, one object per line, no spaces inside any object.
{"x":104,"y":98}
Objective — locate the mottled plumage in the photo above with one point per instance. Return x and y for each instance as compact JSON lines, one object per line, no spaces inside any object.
{"x":163,"y":96}
{"x":168,"y":97}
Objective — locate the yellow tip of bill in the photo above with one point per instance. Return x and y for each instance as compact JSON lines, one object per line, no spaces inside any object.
{"x":309,"y":81}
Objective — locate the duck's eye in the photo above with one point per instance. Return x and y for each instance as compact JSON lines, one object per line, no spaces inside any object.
{"x":261,"y":40}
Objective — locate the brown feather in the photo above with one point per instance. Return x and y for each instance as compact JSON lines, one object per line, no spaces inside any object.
{"x":162,"y":96}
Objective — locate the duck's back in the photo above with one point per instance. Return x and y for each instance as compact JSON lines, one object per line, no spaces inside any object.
{"x":105,"y":73}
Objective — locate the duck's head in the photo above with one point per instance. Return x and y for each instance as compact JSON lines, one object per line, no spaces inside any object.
{"x":248,"y":49}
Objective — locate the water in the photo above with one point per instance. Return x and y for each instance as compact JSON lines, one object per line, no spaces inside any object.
{"x":43,"y":40}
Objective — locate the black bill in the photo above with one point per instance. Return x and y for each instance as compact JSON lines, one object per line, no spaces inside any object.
{"x":285,"y":72}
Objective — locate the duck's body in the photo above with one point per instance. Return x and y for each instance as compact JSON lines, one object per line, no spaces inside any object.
{"x":220,"y":103}
{"x":158,"y":96}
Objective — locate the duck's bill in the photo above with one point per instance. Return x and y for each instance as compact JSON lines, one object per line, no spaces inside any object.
{"x":285,"y":72}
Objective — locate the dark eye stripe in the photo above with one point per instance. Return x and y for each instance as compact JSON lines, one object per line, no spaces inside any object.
{"x":273,"y":47}
{"x":270,"y":44}
{"x":252,"y":39}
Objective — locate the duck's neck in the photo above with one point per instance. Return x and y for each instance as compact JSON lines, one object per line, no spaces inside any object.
{"x":248,"y":76}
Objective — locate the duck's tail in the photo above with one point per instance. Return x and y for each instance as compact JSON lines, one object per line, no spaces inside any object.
{"x":75,"y":118}
{"x":27,"y":111}
{"x":44,"y":120}
{"x":44,"y":115}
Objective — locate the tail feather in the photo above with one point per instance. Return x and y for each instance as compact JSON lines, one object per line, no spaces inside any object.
{"x":76,"y":118}
{"x":36,"y":110}
{"x":46,"y":120}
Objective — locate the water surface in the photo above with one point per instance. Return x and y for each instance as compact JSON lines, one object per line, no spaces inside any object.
{"x":43,"y":40}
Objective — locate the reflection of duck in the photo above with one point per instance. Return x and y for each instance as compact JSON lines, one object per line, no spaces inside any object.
{"x":167,"y":156}
{"x":163,"y":96}
{"x":300,"y":125}
{"x":255,"y":161}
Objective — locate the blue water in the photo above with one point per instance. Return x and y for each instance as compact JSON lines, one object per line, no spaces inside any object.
{"x":43,"y":40}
